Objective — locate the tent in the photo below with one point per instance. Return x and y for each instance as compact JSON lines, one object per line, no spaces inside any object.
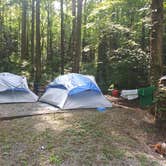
{"x":14,"y":89}
{"x":73,"y":91}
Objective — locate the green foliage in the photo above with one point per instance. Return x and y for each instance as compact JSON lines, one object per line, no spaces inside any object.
{"x":8,"y":50}
{"x":123,"y":36}
{"x":129,"y":67}
{"x":88,"y":68}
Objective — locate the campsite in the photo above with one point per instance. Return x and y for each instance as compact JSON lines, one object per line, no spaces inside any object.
{"x":82,"y":83}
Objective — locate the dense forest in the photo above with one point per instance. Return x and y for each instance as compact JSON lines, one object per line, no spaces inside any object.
{"x":118,"y":41}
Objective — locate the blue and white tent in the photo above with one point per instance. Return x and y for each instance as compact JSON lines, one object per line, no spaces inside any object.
{"x":73,"y":91}
{"x":14,"y":89}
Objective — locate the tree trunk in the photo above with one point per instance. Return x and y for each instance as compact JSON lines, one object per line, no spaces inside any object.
{"x":49,"y":35}
{"x":156,"y":40}
{"x":51,"y":49}
{"x":48,"y":32}
{"x":32,"y":37}
{"x":62,"y":39}
{"x":84,"y":54}
{"x":73,"y":34}
{"x":38,"y":49}
{"x":23,"y":30}
{"x":143,"y":40}
{"x":1,"y":19}
{"x":78,"y":37}
{"x":27,"y":37}
{"x":102,"y":66}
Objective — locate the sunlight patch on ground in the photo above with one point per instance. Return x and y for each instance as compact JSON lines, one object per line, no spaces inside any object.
{"x":54,"y":122}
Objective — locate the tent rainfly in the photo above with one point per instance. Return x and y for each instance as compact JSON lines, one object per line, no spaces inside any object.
{"x":14,"y":89}
{"x":73,"y":91}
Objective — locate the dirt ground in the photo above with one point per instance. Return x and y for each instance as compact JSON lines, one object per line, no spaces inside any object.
{"x":116,"y":137}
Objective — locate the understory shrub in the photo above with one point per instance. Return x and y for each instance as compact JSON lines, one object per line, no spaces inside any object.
{"x":129,"y":67}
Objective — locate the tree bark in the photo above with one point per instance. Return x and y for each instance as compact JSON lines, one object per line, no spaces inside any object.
{"x":62,"y":39}
{"x":38,"y":49}
{"x":1,"y":19}
{"x":49,"y":34}
{"x":27,"y":36}
{"x":73,"y":34}
{"x":32,"y":37}
{"x":78,"y":37}
{"x":102,"y":66}
{"x":156,"y":40}
{"x":84,"y":54}
{"x":143,"y":40}
{"x":23,"y":30}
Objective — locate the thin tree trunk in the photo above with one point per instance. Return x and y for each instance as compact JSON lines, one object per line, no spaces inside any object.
{"x":1,"y":20}
{"x":23,"y":30}
{"x":32,"y":38}
{"x":48,"y":33}
{"x":49,"y":58}
{"x":62,"y":39}
{"x":156,"y":40}
{"x":51,"y":49}
{"x":27,"y":35}
{"x":102,"y":66}
{"x":84,"y":54}
{"x":38,"y":49}
{"x":143,"y":40}
{"x":49,"y":38}
{"x":73,"y":34}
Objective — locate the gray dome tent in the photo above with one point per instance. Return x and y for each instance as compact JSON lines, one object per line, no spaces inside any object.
{"x":73,"y":91}
{"x":14,"y":89}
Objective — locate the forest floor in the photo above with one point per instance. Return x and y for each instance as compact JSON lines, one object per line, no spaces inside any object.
{"x":116,"y":137}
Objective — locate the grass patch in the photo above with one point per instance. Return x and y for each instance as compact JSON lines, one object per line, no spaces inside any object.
{"x":124,"y":140}
{"x":6,"y":148}
{"x":144,"y":161}
{"x":150,"y":129}
{"x":55,"y":159}
{"x":111,"y":153}
{"x":85,"y":138}
{"x":154,"y":163}
{"x":24,"y":162}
